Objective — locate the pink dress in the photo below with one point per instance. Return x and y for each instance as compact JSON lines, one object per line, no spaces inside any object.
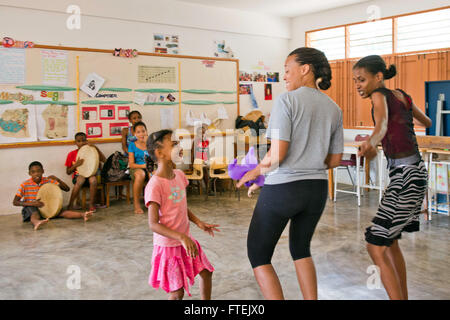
{"x":172,"y":268}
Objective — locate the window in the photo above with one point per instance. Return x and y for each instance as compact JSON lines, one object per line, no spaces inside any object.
{"x":330,"y":41}
{"x":423,"y":31}
{"x":413,"y":32}
{"x":370,"y":38}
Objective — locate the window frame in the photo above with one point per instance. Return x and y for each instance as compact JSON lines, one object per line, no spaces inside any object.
{"x":394,"y":33}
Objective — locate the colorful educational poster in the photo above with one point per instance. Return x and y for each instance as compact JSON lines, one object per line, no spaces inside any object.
{"x":54,"y":67}
{"x":55,"y":122}
{"x":17,"y":123}
{"x":12,"y":65}
{"x":115,"y":129}
{"x":154,"y":74}
{"x":89,"y":113}
{"x":122,"y":112}
{"x":94,"y":130}
{"x":164,"y":43}
{"x":92,"y":84}
{"x":107,"y":112}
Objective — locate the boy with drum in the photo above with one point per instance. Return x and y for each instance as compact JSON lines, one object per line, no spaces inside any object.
{"x":26,"y":197}
{"x":79,"y":181}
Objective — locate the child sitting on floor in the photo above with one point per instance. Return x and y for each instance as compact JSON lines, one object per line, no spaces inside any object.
{"x":26,"y":197}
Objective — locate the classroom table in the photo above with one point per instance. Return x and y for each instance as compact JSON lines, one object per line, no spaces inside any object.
{"x":429,"y":159}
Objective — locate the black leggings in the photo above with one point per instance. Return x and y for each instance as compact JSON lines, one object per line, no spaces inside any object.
{"x":300,"y":201}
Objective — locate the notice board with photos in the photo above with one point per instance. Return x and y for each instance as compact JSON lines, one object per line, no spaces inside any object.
{"x":48,"y":93}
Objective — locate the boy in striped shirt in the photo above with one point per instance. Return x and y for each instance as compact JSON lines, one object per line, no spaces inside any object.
{"x":27,"y":192}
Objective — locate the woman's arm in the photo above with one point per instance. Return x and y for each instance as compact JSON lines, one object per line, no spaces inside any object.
{"x":333,"y":160}
{"x":368,"y":148}
{"x":421,"y":117}
{"x":272,"y":160}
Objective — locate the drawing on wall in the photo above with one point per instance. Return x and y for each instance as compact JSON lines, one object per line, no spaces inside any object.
{"x":92,"y":84}
{"x":164,"y":43}
{"x":56,"y":121}
{"x":17,"y":123}
{"x":153,"y":74}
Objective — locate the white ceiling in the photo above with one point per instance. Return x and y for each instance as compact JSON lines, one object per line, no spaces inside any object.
{"x":281,"y":8}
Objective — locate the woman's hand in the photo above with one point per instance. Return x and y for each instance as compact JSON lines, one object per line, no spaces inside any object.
{"x":249,"y":176}
{"x":189,"y":245}
{"x":367,"y":150}
{"x":210,"y":228}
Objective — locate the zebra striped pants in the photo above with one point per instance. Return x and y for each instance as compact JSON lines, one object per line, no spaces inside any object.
{"x":400,"y":205}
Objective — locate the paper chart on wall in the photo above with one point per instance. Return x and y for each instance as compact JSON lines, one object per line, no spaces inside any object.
{"x":17,"y":123}
{"x":166,"y":115}
{"x":155,"y":74}
{"x":54,"y":67}
{"x":12,"y":65}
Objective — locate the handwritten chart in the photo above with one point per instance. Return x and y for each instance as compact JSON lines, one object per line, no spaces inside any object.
{"x":151,"y":74}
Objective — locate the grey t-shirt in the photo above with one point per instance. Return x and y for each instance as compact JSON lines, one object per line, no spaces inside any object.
{"x":312,"y":123}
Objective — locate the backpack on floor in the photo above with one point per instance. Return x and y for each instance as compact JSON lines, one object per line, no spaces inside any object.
{"x":115,"y":168}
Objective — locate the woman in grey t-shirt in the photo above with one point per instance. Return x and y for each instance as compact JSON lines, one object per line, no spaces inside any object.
{"x":306,"y":135}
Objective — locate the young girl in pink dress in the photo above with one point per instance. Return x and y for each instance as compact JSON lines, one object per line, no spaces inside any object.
{"x":177,"y":257}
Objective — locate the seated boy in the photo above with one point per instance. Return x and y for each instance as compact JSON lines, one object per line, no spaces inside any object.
{"x":79,"y":181}
{"x":26,"y":196}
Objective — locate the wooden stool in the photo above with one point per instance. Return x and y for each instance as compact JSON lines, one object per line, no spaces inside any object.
{"x":85,"y":190}
{"x":122,"y":183}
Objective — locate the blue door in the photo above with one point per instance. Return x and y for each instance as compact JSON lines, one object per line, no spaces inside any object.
{"x":432,"y":91}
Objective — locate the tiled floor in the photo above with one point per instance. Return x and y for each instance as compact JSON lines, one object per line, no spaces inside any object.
{"x":113,"y":252}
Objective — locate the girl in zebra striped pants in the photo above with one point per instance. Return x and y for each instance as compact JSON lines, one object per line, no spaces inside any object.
{"x":394,"y":115}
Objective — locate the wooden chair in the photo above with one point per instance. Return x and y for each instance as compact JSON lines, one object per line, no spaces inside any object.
{"x":197,"y":175}
{"x":221,"y":164}
{"x":85,"y":190}
{"x":122,"y":183}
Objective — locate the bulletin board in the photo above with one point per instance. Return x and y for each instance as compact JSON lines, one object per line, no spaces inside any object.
{"x":44,"y":102}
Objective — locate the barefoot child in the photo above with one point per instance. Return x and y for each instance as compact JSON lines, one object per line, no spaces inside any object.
{"x":137,"y":153}
{"x":169,"y":216}
{"x":393,"y":113}
{"x":79,"y":181}
{"x":26,"y":197}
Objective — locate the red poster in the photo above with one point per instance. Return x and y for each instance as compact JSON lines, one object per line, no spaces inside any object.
{"x":107,"y":112}
{"x":94,"y":130}
{"x":268,"y":91}
{"x":122,"y":112}
{"x":89,"y":113}
{"x":115,"y":129}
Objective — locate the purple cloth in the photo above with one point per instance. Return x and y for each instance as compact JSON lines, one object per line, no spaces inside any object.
{"x":237,"y":171}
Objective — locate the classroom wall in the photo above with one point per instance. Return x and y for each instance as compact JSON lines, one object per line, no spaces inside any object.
{"x":252,"y":37}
